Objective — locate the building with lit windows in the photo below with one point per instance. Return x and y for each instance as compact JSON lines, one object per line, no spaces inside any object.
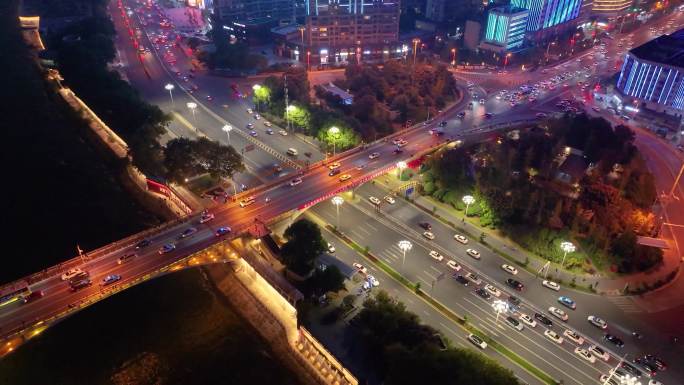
{"x":242,"y":11}
{"x":342,"y":31}
{"x":506,"y":27}
{"x":610,"y":7}
{"x":652,"y":75}
{"x":546,"y":14}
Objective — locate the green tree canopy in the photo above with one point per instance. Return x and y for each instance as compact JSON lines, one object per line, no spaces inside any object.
{"x":304,"y":244}
{"x":185,"y":158}
{"x":328,"y":279}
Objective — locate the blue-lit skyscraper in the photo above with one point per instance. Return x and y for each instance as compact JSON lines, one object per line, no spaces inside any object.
{"x":653,"y":74}
{"x":548,"y":13}
{"x":506,"y":27}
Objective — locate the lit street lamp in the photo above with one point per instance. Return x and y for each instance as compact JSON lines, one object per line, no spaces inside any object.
{"x":468,"y":200}
{"x":404,"y":246}
{"x":547,"y":49}
{"x":192,"y":106}
{"x":227,"y":129}
{"x":453,"y":56}
{"x":169,"y":87}
{"x":337,"y":201}
{"x":508,"y":55}
{"x":415,"y":42}
{"x":256,"y":88}
{"x":400,"y":167}
{"x":334,"y":133}
{"x":499,"y":307}
{"x":567,"y":247}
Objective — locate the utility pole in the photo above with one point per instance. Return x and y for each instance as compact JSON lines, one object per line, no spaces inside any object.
{"x":287,"y":112}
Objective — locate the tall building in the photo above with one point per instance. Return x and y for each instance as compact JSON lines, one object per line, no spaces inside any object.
{"x":653,"y":75}
{"x":506,"y":27}
{"x":441,"y":10}
{"x":548,"y":13}
{"x":340,"y":31}
{"x":243,"y":11}
{"x":611,"y":7}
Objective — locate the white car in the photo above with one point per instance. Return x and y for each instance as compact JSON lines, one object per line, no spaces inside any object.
{"x":574,"y":337}
{"x":558,"y":313}
{"x":374,"y":155}
{"x":527,"y":320}
{"x":295,"y":181}
{"x":453,"y":265}
{"x":509,"y":269}
{"x":374,"y":200}
{"x":249,"y":111}
{"x":598,"y":322}
{"x":373,"y":281}
{"x":331,"y":248}
{"x":477,"y":341}
{"x":361,"y":268}
{"x":551,"y":285}
{"x":429,"y":235}
{"x":282,"y":132}
{"x":389,"y":199}
{"x":334,"y":166}
{"x":553,"y":336}
{"x":473,"y":278}
{"x":492,"y":290}
{"x":436,"y":256}
{"x":473,"y":253}
{"x":71,"y":273}
{"x":599,"y":353}
{"x":614,"y":380}
{"x":267,"y":123}
{"x":206,"y":218}
{"x":257,"y":116}
{"x":461,"y":239}
{"x":585,"y":355}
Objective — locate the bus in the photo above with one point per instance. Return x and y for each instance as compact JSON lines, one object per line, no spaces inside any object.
{"x":13,"y":294}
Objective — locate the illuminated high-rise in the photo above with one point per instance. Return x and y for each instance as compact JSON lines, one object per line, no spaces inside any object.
{"x":506,"y":27}
{"x":652,"y":75}
{"x":548,"y":13}
{"x":611,"y":7}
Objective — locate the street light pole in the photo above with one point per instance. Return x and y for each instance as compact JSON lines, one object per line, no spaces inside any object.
{"x":169,"y":87}
{"x":400,"y":167}
{"x":499,"y":307}
{"x":468,"y":200}
{"x":337,"y":201}
{"x":227,"y":129}
{"x":415,"y":49}
{"x":567,"y":247}
{"x":334,"y":131}
{"x":404,"y":246}
{"x":192,"y":106}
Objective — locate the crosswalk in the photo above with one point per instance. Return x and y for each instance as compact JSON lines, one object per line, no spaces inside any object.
{"x":626,"y":304}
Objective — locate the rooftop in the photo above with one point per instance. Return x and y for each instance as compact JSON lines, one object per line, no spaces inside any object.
{"x":508,"y":9}
{"x":666,"y":49}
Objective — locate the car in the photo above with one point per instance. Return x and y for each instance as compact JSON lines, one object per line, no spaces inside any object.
{"x":473,"y":253}
{"x":527,"y":320}
{"x":331,"y":248}
{"x":110,"y":279}
{"x":206,"y":217}
{"x":558,"y":313}
{"x":517,"y":285}
{"x":210,"y":98}
{"x":493,"y":290}
{"x":267,"y":123}
{"x":565,"y":301}
{"x":429,"y":235}
{"x":609,"y":380}
{"x":344,"y":177}
{"x":551,"y":285}
{"x":80,"y":284}
{"x":436,"y":256}
{"x":167,"y":248}
{"x":619,"y":374}
{"x":585,"y":355}
{"x":389,"y":199}
{"x":334,"y":172}
{"x":253,"y":134}
{"x":598,"y":322}
{"x":461,"y":115}
{"x":483,"y":293}
{"x":295,"y":182}
{"x":477,"y":341}
{"x":453,"y":265}
{"x":473,"y":278}
{"x":659,"y":363}
{"x":599,"y":353}
{"x":462,"y":280}
{"x":71,"y":273}
{"x":434,"y":131}
{"x":35,"y":295}
{"x":188,"y":232}
{"x":374,"y":155}
{"x":553,"y":336}
{"x":509,"y":269}
{"x":631,"y":369}
{"x":573,"y":336}
{"x":541,"y":115}
{"x":488,"y":115}
{"x":647,"y":367}
{"x":334,"y":166}
{"x":360,"y":268}
{"x":143,"y":244}
{"x":425,"y":225}
{"x":543,"y":319}
{"x":482,"y":101}
{"x":126,"y":258}
{"x":373,"y":281}
{"x":461,"y":238}
{"x":222,"y":231}
{"x":443,"y":123}
{"x":514,"y":302}
{"x":396,"y":141}
{"x":514,"y":323}
{"x":250,"y":125}
{"x":249,"y":111}
{"x":269,"y":131}
{"x":257,"y":116}
{"x":397,"y":151}
{"x":282,"y":132}
{"x":614,"y":340}
{"x":374,"y":200}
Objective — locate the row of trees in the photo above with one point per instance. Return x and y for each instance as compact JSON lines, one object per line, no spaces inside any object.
{"x":404,"y":351}
{"x":515,"y":185}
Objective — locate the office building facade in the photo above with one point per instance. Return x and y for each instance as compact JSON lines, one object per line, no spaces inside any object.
{"x":610,"y":8}
{"x":342,"y":31}
{"x":548,"y":13}
{"x":242,"y":11}
{"x":652,"y":75}
{"x":506,"y":27}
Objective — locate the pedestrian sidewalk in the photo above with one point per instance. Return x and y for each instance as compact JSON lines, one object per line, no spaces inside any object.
{"x":505,"y":247}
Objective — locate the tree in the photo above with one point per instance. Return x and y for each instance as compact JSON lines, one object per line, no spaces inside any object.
{"x":299,"y":116}
{"x":185,"y":158}
{"x":344,"y":139}
{"x":328,"y":279}
{"x":304,"y":244}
